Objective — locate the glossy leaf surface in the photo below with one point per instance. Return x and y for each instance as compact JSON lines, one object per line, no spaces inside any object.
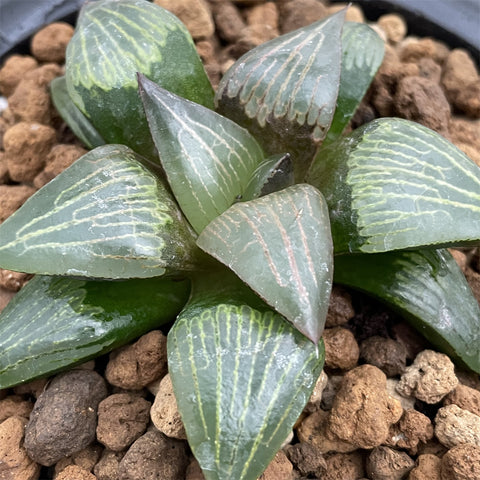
{"x":241,"y":376}
{"x":394,"y":184}
{"x":113,"y":41}
{"x":273,"y":174}
{"x":108,"y":215}
{"x":362,"y":55}
{"x":75,"y":119}
{"x":208,"y":158}
{"x":284,"y":91}
{"x":54,"y":322}
{"x":280,"y":245}
{"x":428,"y":288}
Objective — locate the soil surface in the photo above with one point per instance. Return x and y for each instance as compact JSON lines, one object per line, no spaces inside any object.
{"x":387,"y":406}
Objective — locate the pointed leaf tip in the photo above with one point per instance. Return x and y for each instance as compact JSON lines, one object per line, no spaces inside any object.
{"x":208,"y":158}
{"x":284,"y":91}
{"x":280,"y":246}
{"x":106,"y":216}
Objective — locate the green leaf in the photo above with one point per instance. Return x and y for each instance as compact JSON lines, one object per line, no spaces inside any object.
{"x":108,"y":216}
{"x":363,"y":53}
{"x":241,"y":377}
{"x":280,"y":246}
{"x":394,"y":184}
{"x":115,"y":39}
{"x":54,"y":322}
{"x":73,"y":117}
{"x":273,"y":174}
{"x":284,"y":91}
{"x":208,"y":158}
{"x":428,"y":288}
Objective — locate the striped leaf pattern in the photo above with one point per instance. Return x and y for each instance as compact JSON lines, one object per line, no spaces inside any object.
{"x":394,"y":184}
{"x":362,"y":54}
{"x":55,"y":322}
{"x":106,"y":216}
{"x":280,"y":246}
{"x":115,"y":39}
{"x":208,"y":158}
{"x":285,"y":90}
{"x":241,"y":378}
{"x":428,"y":288}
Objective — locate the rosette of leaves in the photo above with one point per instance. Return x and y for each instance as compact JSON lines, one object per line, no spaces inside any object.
{"x":245,"y":210}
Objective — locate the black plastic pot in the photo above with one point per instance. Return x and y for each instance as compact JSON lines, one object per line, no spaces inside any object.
{"x":456,"y":22}
{"x":20,"y":19}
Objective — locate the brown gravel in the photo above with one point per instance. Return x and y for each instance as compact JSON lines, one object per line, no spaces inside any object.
{"x":49,"y":44}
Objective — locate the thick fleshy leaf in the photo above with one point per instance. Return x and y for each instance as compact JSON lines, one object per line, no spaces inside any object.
{"x":115,"y":39}
{"x":108,"y":216}
{"x":394,"y":184}
{"x":273,"y":174}
{"x":428,"y":288}
{"x":284,"y":91}
{"x":241,"y":376}
{"x":55,"y":322}
{"x":362,"y":55}
{"x":208,"y":158}
{"x":280,"y":246}
{"x":75,"y":119}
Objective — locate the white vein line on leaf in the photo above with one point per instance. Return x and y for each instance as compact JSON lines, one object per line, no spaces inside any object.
{"x":302,"y":75}
{"x":260,"y":62}
{"x":271,"y":405}
{"x":314,"y":113}
{"x":253,"y":102}
{"x":60,"y":208}
{"x":111,"y":56}
{"x":193,"y":190}
{"x":428,"y":199}
{"x":293,"y":399}
{"x":248,"y":391}
{"x":193,"y":134}
{"x":218,"y":386}
{"x":306,"y":248}
{"x":263,"y":244}
{"x":290,"y":250}
{"x":425,"y":138}
{"x":191,"y":356}
{"x":271,"y":337}
{"x":369,"y":171}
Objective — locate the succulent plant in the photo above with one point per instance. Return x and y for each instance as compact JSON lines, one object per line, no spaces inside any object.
{"x":230,"y":216}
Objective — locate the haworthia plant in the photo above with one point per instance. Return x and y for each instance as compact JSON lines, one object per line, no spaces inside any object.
{"x":107,"y":216}
{"x":241,"y":375}
{"x":280,"y":245}
{"x":208,"y":158}
{"x":284,"y":91}
{"x":115,"y":39}
{"x":65,"y":321}
{"x":428,"y":288}
{"x":241,"y":372}
{"x":394,"y":184}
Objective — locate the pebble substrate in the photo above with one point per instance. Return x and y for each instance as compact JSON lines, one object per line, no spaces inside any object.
{"x":387,"y":406}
